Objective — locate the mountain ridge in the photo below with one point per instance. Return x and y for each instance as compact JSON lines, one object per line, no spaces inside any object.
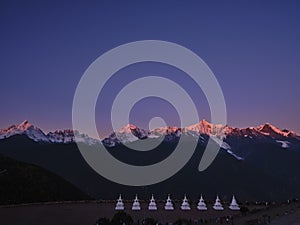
{"x":131,"y":133}
{"x":250,"y":163}
{"x":233,"y":138}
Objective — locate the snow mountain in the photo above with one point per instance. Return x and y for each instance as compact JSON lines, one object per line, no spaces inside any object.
{"x":235,"y":140}
{"x":37,"y":135}
{"x":254,"y":162}
{"x":26,"y":128}
{"x":201,"y":130}
{"x":238,"y":142}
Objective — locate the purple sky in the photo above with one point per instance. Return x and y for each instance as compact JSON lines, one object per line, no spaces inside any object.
{"x":252,"y":47}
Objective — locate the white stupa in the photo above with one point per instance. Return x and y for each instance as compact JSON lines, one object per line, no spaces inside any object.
{"x":234,"y":205}
{"x":185,"y":204}
{"x":120,"y":204}
{"x":152,"y":204}
{"x":136,"y":204}
{"x":201,"y":204}
{"x":169,"y":204}
{"x":218,"y":205}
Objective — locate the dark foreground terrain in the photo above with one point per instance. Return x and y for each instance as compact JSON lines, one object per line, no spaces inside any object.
{"x":84,"y":213}
{"x":269,"y":173}
{"x":23,"y":183}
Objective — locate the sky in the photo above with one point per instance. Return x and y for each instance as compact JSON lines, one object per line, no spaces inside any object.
{"x":252,"y":47}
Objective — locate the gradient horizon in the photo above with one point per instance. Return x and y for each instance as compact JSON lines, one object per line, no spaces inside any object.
{"x":252,"y":47}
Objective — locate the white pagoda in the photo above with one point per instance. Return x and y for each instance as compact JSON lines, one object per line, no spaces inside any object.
{"x":136,"y":206}
{"x":152,"y":204}
{"x":169,"y":204}
{"x":185,"y":204}
{"x":218,"y":206}
{"x":234,"y":205}
{"x":201,"y":204}
{"x":120,"y":204}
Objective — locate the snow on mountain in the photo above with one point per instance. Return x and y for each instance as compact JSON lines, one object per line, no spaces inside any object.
{"x":84,"y":138}
{"x":61,"y":136}
{"x":111,"y":140}
{"x":206,"y":128}
{"x":68,"y":136}
{"x":37,"y":135}
{"x":131,"y":133}
{"x":126,"y":134}
{"x":202,"y":127}
{"x":26,"y":128}
{"x":233,"y":138}
{"x":249,"y":132}
{"x":270,"y":130}
{"x":227,"y":148}
{"x":267,"y":129}
{"x":234,"y":155}
{"x":284,"y":144}
{"x":163,"y":131}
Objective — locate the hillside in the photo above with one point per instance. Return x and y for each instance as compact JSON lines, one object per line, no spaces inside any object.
{"x":25,"y":183}
{"x":256,"y":178}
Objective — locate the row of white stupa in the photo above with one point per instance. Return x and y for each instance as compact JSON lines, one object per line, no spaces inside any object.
{"x":184,"y":205}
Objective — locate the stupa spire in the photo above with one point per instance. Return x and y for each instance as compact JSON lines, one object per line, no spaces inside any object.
{"x":201,"y":204}
{"x":169,"y":204}
{"x":234,"y":205}
{"x":185,"y":204}
{"x":218,"y":205}
{"x":152,"y":204}
{"x":136,"y":204}
{"x":120,"y":204}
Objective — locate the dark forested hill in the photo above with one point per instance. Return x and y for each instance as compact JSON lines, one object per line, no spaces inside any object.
{"x":24,"y":183}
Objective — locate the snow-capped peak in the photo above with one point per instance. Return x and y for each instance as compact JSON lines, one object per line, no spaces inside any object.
{"x":37,"y":135}
{"x":269,"y":129}
{"x":126,"y":134}
{"x":206,"y":128}
{"x":25,"y":125}
{"x":165,"y":130}
{"x":127,"y":129}
{"x":61,"y":136}
{"x":131,"y":133}
{"x":26,"y":128}
{"x":202,"y":127}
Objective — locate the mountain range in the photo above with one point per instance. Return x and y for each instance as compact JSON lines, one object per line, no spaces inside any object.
{"x":255,"y":163}
{"x":37,"y":135}
{"x":233,"y":137}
